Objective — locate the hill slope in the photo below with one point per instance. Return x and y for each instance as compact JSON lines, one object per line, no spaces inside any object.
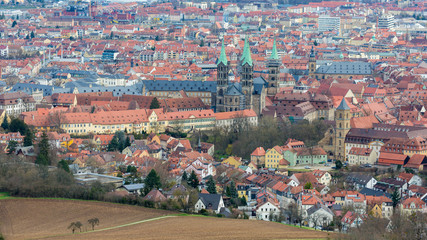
{"x":49,"y":219}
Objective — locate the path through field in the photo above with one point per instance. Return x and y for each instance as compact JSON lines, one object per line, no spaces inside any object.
{"x":49,"y":219}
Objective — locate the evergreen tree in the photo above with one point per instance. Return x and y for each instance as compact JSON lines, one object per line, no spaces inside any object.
{"x":243,"y":201}
{"x":14,"y":24}
{"x":12,"y":146}
{"x":111,"y":35}
{"x":193,"y":180}
{"x":28,"y":138}
{"x":211,"y":186}
{"x":5,"y":123}
{"x":63,"y":165}
{"x":43,"y":156}
{"x":227,"y":191}
{"x":113,"y":145}
{"x":17,"y":125}
{"x":154,"y":104}
{"x":127,"y":142}
{"x":338,"y":164}
{"x":233,"y":190}
{"x":151,"y":181}
{"x":202,"y":43}
{"x":395,"y":198}
{"x":32,"y":35}
{"x":184,"y":176}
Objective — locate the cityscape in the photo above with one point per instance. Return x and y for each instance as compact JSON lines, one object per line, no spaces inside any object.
{"x":229,"y":119}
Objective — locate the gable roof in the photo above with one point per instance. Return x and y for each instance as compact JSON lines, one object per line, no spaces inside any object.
{"x":211,"y":201}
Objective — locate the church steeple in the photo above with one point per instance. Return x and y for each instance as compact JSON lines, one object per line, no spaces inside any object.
{"x":222,"y":69}
{"x":246,"y":78}
{"x":246,"y":56}
{"x":312,"y":63}
{"x":274,"y":55}
{"x":223,"y":56}
{"x":273,"y":65}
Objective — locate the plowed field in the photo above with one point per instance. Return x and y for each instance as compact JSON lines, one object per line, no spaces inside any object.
{"x":49,"y":219}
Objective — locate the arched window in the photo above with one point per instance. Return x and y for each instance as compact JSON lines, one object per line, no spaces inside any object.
{"x":340,"y":115}
{"x":340,"y":126}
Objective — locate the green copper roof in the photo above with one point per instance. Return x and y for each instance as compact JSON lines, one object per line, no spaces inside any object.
{"x":274,"y":55}
{"x":223,"y":56}
{"x":246,"y":56}
{"x":244,"y":50}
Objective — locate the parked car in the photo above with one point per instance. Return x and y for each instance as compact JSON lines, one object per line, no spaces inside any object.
{"x":307,"y":167}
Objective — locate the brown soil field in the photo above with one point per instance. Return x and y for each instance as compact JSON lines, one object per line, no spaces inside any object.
{"x":35,"y":218}
{"x":49,"y":219}
{"x":204,"y":228}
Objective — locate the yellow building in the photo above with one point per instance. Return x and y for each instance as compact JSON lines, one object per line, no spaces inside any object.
{"x":135,"y":121}
{"x":273,"y":157}
{"x":376,"y":211}
{"x":233,"y":161}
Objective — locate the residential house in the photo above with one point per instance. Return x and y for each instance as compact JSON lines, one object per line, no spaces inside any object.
{"x":379,"y":206}
{"x":273,"y":157}
{"x":319,"y":215}
{"x":412,"y":205}
{"x":213,"y":202}
{"x":258,"y":156}
{"x":322,"y":177}
{"x":155,"y":195}
{"x":355,"y":200}
{"x":268,"y":211}
{"x":361,"y":156}
{"x":308,"y":156}
{"x":410,"y":178}
{"x":360,"y":180}
{"x":351,"y":220}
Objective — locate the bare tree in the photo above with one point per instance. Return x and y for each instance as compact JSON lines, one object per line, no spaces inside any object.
{"x":93,"y":222}
{"x":75,"y":225}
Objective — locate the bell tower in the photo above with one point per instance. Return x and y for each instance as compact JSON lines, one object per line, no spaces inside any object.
{"x":221,"y":79}
{"x":246,"y":78}
{"x":342,"y":126}
{"x":312,"y":63}
{"x":273,"y":71}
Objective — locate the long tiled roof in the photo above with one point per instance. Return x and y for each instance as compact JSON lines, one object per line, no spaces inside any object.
{"x":347,"y":68}
{"x":188,"y":86}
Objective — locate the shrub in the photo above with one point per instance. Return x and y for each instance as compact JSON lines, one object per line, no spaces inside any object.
{"x":204,"y":212}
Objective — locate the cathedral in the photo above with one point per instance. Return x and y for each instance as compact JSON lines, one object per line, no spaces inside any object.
{"x":250,"y":92}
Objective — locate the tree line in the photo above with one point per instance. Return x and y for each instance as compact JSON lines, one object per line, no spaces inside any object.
{"x":241,"y":138}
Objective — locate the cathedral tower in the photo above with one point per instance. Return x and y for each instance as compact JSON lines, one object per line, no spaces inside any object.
{"x":246,"y":78}
{"x":221,"y":79}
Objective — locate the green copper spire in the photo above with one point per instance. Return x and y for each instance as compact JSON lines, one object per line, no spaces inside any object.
{"x":246,"y":57}
{"x":274,"y":55}
{"x":244,"y":49}
{"x":223,"y":56}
